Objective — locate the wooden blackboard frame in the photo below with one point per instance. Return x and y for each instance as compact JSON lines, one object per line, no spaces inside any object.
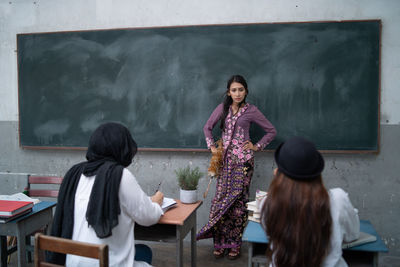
{"x":203,"y":150}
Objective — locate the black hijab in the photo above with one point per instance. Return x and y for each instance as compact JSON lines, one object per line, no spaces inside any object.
{"x":111,"y":148}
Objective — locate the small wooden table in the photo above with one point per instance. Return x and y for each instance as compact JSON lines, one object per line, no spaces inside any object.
{"x":173,"y":226}
{"x":40,"y":217}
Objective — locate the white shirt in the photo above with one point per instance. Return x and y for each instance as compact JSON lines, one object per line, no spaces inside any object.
{"x":345,"y":227}
{"x":136,"y":206}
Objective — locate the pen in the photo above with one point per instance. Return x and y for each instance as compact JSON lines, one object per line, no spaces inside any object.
{"x":158,"y":187}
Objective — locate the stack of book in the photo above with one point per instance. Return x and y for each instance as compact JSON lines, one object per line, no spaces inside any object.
{"x":253,"y":207}
{"x":10,"y":209}
{"x":254,"y":211}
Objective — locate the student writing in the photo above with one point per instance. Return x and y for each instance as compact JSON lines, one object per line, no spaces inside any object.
{"x":100,"y":201}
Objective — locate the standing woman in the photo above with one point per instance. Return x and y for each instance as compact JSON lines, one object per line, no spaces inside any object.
{"x":306,"y":224}
{"x":228,"y":214}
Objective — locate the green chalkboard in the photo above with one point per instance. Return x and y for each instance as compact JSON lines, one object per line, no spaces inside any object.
{"x":320,"y":80}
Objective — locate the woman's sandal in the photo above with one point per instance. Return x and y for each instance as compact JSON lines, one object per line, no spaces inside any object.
{"x":234,"y":253}
{"x":219,"y":253}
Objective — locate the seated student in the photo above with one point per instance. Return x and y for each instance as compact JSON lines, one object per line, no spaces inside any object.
{"x":306,"y":224}
{"x":100,"y":200}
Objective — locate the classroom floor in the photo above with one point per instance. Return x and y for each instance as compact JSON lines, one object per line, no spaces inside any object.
{"x":164,"y":255}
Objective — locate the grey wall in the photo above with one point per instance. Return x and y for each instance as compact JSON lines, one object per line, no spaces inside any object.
{"x":372,"y":181}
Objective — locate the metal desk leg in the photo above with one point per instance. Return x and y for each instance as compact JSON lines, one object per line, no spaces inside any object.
{"x":375,"y":259}
{"x":28,"y":244}
{"x":250,"y":264}
{"x":3,"y":242}
{"x":179,"y":246}
{"x":21,"y":252}
{"x":193,"y":245}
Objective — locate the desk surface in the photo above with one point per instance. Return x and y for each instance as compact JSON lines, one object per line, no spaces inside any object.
{"x":377,"y":246}
{"x":178,"y":214}
{"x":255,"y":233}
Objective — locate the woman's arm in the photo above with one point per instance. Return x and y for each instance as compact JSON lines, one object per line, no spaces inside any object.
{"x":267,"y":126}
{"x":208,"y":127}
{"x":348,"y":218}
{"x":137,"y":204}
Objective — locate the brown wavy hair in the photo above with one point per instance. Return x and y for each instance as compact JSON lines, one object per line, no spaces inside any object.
{"x":297,"y":219}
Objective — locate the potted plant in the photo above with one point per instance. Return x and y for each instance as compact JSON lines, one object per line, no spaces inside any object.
{"x":188,"y":180}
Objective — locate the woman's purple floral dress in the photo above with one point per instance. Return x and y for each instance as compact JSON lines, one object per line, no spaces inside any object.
{"x":228,"y":214}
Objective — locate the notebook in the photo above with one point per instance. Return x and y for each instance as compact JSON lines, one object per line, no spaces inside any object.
{"x":364,"y":238}
{"x":10,"y":218}
{"x":168,"y":203}
{"x":9,"y":208}
{"x":19,"y":197}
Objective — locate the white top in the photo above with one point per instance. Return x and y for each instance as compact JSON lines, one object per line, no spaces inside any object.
{"x":136,"y":206}
{"x":345,"y":227}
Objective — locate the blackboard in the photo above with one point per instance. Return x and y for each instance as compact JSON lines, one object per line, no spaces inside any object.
{"x":320,"y":80}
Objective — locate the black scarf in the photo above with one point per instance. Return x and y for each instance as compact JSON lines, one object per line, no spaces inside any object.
{"x":111,"y":148}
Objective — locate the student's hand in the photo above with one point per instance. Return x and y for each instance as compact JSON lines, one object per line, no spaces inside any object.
{"x":213,"y":149}
{"x":249,"y":145}
{"x":158,"y":197}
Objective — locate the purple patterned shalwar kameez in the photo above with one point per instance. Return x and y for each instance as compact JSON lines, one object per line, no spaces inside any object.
{"x":228,"y":214}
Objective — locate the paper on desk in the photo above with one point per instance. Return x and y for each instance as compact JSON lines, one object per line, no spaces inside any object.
{"x":168,"y":203}
{"x":19,"y":197}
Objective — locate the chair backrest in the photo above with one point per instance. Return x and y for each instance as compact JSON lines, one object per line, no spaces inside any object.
{"x":41,"y":181}
{"x":67,"y":246}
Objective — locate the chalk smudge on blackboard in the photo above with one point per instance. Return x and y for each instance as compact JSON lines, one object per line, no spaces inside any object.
{"x":46,"y":131}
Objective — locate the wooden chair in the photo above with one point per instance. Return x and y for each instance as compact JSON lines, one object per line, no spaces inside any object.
{"x":41,"y":186}
{"x":67,"y":246}
{"x":37,"y":187}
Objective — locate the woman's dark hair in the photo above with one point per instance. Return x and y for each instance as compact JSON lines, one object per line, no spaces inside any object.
{"x":298,"y":222}
{"x":228,"y":99}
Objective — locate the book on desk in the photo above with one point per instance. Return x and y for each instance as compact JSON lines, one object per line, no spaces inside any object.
{"x":253,"y":211}
{"x":10,"y":218}
{"x":19,"y":197}
{"x":362,"y":239}
{"x":253,"y":207}
{"x":10,"y":209}
{"x":168,"y":203}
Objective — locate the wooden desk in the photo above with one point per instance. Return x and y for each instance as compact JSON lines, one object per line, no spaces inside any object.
{"x":41,"y":216}
{"x":173,"y":227}
{"x":254,"y":234}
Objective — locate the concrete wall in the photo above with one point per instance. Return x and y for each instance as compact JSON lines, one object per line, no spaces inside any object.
{"x":371,"y":180}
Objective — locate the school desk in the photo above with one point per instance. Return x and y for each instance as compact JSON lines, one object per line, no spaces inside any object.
{"x":254,"y":234}
{"x":40,"y":217}
{"x":173,"y":226}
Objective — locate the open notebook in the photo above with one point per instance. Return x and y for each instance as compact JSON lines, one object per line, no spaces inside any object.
{"x":364,"y":238}
{"x":168,"y":203}
{"x":19,"y":197}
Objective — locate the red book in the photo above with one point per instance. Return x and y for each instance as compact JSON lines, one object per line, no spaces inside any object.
{"x":10,"y":218}
{"x":9,"y":208}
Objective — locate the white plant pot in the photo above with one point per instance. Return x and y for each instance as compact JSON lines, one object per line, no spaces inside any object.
{"x":188,"y":196}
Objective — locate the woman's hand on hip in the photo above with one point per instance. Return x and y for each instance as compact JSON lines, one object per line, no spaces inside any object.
{"x":249,"y":145}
